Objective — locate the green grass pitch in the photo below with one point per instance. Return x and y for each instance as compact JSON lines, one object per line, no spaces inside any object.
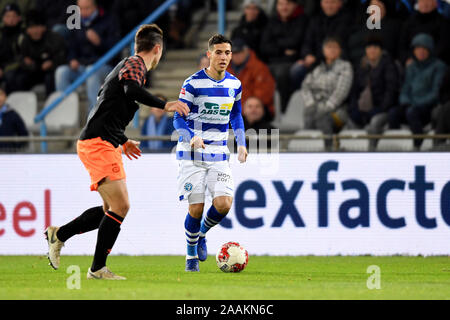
{"x":265,"y":278}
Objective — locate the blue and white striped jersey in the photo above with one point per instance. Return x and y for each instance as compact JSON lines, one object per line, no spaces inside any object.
{"x":213,"y":105}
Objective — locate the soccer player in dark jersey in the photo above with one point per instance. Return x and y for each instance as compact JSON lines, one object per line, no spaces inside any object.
{"x":100,"y":149}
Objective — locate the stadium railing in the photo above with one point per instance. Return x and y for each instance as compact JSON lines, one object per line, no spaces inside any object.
{"x":282,"y":141}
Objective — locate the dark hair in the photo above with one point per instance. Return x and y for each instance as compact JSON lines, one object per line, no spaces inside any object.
{"x":147,"y":37}
{"x":334,"y":39}
{"x":217,"y":39}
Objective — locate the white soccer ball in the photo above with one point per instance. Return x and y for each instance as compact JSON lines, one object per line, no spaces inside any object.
{"x":232,"y":257}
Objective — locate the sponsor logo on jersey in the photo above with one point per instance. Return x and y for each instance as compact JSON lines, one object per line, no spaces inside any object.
{"x":214,"y":108}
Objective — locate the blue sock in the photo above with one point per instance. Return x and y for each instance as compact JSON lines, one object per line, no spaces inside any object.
{"x":191,"y":228}
{"x":212,"y":218}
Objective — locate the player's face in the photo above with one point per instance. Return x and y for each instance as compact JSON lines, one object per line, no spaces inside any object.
{"x":220,"y":57}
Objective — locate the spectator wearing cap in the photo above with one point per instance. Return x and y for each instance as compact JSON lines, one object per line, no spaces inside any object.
{"x":251,"y":25}
{"x":325,"y":90}
{"x":420,"y":90}
{"x":10,"y":34}
{"x":254,"y":75}
{"x":23,"y":5}
{"x":281,"y":44}
{"x":332,"y":21}
{"x":425,"y":20}
{"x":11,"y":124}
{"x":375,"y":88}
{"x":98,"y":34}
{"x":388,"y":33}
{"x":41,"y":51}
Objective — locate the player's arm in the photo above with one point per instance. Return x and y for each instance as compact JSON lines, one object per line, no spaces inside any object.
{"x":143,"y":96}
{"x":179,"y":121}
{"x":237,"y":123}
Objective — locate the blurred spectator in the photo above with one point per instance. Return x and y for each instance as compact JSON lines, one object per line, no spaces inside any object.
{"x":251,"y":25}
{"x":444,"y":8}
{"x":203,"y":61}
{"x":55,"y":15}
{"x":420,"y":90}
{"x":254,"y":114}
{"x":426,"y":20}
{"x":41,"y":51}
{"x":254,"y":75}
{"x":98,"y":33}
{"x":441,"y":114}
{"x":23,"y":5}
{"x":332,"y":21}
{"x":375,"y":88}
{"x":10,"y":33}
{"x":11,"y":124}
{"x":389,"y":31}
{"x":281,"y":44}
{"x":157,"y":124}
{"x":325,"y":90}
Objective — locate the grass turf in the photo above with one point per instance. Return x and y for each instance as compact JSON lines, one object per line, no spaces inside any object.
{"x":265,"y":278}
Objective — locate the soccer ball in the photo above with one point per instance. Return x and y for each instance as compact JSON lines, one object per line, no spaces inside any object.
{"x":232,"y":257}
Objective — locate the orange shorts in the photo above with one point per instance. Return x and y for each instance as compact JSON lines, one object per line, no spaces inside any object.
{"x":101,"y":160}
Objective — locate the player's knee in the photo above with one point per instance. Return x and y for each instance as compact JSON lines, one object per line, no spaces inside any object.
{"x":223,"y":204}
{"x":196,"y":210}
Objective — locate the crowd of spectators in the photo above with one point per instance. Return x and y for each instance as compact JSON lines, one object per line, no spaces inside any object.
{"x":349,"y":73}
{"x":354,"y":67}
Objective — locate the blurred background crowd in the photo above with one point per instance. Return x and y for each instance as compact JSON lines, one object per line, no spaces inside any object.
{"x":327,"y":65}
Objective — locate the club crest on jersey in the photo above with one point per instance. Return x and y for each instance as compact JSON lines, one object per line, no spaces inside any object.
{"x":183,"y":91}
{"x":231,"y":92}
{"x":188,"y":186}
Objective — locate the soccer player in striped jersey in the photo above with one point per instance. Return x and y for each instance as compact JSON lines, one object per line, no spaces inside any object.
{"x":214,"y":98}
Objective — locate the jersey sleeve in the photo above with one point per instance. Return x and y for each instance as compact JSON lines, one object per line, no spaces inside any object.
{"x":133,"y":70}
{"x":187,"y":95}
{"x":236,"y":120}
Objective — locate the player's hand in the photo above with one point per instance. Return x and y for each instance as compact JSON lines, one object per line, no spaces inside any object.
{"x":131,"y":149}
{"x":242,"y":154}
{"x":197,"y":142}
{"x":177,"y":106}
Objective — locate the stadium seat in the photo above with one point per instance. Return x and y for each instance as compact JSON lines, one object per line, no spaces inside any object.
{"x":307,"y":145}
{"x":353,"y":144}
{"x":25,"y":103}
{"x":427,"y":144}
{"x":65,"y":115}
{"x":293,"y":119}
{"x":386,"y":144}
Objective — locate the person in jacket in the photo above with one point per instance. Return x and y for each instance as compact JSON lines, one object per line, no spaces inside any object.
{"x":41,"y":52}
{"x":425,"y":20}
{"x":10,"y":34}
{"x":251,"y":25}
{"x":98,"y":34}
{"x":11,"y":124}
{"x":388,"y":32}
{"x":375,"y":88}
{"x":325,"y":90}
{"x":281,"y":44}
{"x":420,"y":90}
{"x":254,"y":75}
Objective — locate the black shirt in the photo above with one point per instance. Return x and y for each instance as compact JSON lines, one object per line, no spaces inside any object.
{"x":116,"y":105}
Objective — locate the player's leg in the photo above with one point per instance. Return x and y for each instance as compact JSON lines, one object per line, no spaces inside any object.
{"x":115,"y":195}
{"x":220,"y":185}
{"x":192,"y":229}
{"x":56,"y":236}
{"x":192,"y":186}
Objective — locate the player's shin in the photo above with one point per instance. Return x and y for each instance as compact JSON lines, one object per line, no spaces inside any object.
{"x":87,"y":221}
{"x":192,"y":228}
{"x":108,"y":232}
{"x":213,"y":217}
